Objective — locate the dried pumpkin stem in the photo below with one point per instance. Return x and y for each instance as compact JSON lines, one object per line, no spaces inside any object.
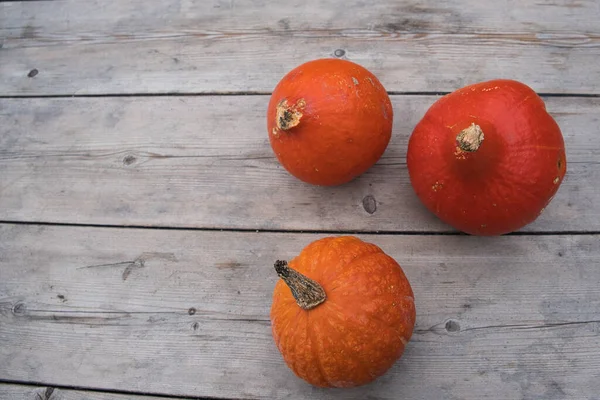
{"x":470,"y":139}
{"x":308,"y":293}
{"x":288,"y":116}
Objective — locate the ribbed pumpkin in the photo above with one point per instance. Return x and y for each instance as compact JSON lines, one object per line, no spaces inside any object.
{"x":342,"y":312}
{"x":487,"y":158}
{"x":329,"y":120}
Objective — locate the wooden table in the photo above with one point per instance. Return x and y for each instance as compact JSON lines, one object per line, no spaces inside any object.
{"x":142,"y":208}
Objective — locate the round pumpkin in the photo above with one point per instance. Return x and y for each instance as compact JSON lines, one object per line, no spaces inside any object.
{"x":487,"y":158}
{"x":329,"y":120}
{"x":342,"y":312}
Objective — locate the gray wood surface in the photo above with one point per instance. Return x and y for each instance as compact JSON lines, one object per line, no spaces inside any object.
{"x":206,"y":162}
{"x":224,"y":46}
{"x":449,"y":16}
{"x":27,"y":392}
{"x":186,"y":313}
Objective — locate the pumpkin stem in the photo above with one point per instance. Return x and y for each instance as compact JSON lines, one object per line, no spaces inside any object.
{"x":288,"y":116}
{"x":470,"y":139}
{"x":308,"y":293}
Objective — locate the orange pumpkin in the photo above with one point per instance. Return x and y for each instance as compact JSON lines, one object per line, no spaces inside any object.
{"x":342,"y":312}
{"x":487,"y":158}
{"x":329,"y":120}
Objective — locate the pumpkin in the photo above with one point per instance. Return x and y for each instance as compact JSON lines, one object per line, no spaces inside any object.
{"x":487,"y":158}
{"x":342,"y":312}
{"x":329,"y":120}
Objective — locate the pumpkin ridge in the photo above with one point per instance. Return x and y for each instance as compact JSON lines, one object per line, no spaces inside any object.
{"x":289,"y":320}
{"x":523,"y":189}
{"x":317,"y":352}
{"x":348,"y":270}
{"x":373,"y":316}
{"x":533,"y":96}
{"x":274,"y":317}
{"x":293,"y":337}
{"x":355,"y":355}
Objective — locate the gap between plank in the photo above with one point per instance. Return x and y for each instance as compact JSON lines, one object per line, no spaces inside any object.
{"x":241,"y":93}
{"x":111,"y":391}
{"x":295,"y":231}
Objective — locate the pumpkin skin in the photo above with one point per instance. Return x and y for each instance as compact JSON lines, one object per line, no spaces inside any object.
{"x":511,"y":173}
{"x":329,"y":120}
{"x":362,"y":326}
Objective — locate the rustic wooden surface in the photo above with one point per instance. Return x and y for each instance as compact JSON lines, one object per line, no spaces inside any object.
{"x":186,"y":313}
{"x":141,"y":207}
{"x":187,"y":161}
{"x":140,"y":46}
{"x":30,"y":392}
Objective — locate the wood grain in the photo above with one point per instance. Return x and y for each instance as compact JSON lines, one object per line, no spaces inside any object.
{"x":234,"y":46}
{"x":206,"y":162}
{"x":176,"y":312}
{"x":27,"y":392}
{"x":497,"y":318}
{"x":453,"y":16}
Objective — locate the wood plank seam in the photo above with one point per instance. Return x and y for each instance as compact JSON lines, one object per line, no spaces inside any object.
{"x":299,"y":231}
{"x":242,"y":93}
{"x":49,"y":390}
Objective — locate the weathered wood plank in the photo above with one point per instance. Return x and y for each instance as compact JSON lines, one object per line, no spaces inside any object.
{"x":206,"y":162}
{"x":141,"y":47}
{"x":26,"y":392}
{"x":186,"y":313}
{"x":138,"y":17}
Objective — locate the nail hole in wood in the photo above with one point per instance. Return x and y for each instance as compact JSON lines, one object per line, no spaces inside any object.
{"x":18,"y":309}
{"x":452,"y":326}
{"x":369,"y":204}
{"x":128,"y":160}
